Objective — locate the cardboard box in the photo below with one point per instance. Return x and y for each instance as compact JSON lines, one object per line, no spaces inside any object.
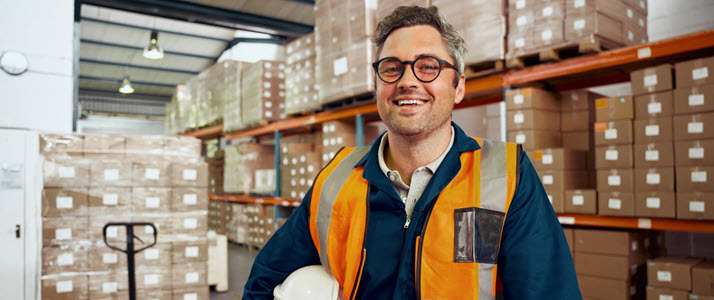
{"x":559,"y":159}
{"x":608,"y":242}
{"x":651,"y":80}
{"x":151,"y":277}
{"x":197,"y":293}
{"x":116,"y":235}
{"x":577,"y":120}
{"x":151,"y":199}
{"x":695,"y":72}
{"x":654,"y":155}
{"x":653,"y":130}
{"x":183,"y":148}
{"x":621,"y":204}
{"x":103,"y":258}
{"x":63,"y":231}
{"x":654,"y":105}
{"x":70,"y":202}
{"x":695,"y":206}
{"x":146,"y":147}
{"x":695,"y":179}
{"x":535,"y":139}
{"x":158,"y":294}
{"x":531,"y":98}
{"x":694,"y":99}
{"x":193,"y":175}
{"x":609,"y":266}
{"x":59,"y":172}
{"x":560,"y":180}
{"x":581,"y":26}
{"x":657,"y":293}
{"x":189,"y":274}
{"x":612,"y":289}
{"x":65,"y":287}
{"x":699,"y":297}
{"x":671,"y":272}
{"x":577,"y":100}
{"x":533,"y":119}
{"x":615,"y":180}
{"x":158,"y":255}
{"x":697,"y":126}
{"x":110,"y":201}
{"x":694,"y":153}
{"x":189,"y":199}
{"x":190,"y":251}
{"x":191,"y":223}
{"x":164,"y":227}
{"x":613,"y":133}
{"x":63,"y":259}
{"x":613,"y":156}
{"x":613,"y":8}
{"x":703,"y":278}
{"x":655,"y":204}
{"x":581,"y":202}
{"x":569,"y":238}
{"x":654,"y":179}
{"x":110,"y":172}
{"x":579,"y":140}
{"x":150,"y":173}
{"x":104,"y":146}
{"x":614,"y":108}
{"x":107,"y":284}
{"x":61,"y":144}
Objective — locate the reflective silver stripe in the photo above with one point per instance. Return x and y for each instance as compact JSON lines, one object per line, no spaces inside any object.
{"x":330,"y":189}
{"x":494,"y":190}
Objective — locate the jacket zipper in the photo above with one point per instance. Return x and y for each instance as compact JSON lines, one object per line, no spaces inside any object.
{"x":364,"y":250}
{"x":421,"y":247}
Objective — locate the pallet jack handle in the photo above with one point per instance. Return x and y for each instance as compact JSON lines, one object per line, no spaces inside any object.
{"x":130,"y":251}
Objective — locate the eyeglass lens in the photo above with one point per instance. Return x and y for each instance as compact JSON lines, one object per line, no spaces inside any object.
{"x":425,"y":69}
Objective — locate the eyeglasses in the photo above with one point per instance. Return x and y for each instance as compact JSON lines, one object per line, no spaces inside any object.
{"x":425,"y":68}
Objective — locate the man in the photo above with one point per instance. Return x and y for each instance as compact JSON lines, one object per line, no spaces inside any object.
{"x":426,"y":212}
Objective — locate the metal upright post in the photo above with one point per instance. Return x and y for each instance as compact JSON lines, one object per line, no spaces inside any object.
{"x":276,"y":160}
{"x":504,"y":116}
{"x":359,"y":130}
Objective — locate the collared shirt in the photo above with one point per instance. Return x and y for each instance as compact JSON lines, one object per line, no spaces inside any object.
{"x":420,"y":178}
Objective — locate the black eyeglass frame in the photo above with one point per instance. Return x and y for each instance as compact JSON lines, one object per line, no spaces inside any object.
{"x":442,"y":63}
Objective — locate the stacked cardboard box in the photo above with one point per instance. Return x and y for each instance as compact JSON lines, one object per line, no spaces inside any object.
{"x":216,"y":215}
{"x":236,"y":222}
{"x":215,"y":159}
{"x":694,"y":138}
{"x":672,"y":277}
{"x":561,"y":170}
{"x":300,"y":165}
{"x":93,"y":180}
{"x":619,"y":21}
{"x":231,"y":92}
{"x":534,"y":24}
{"x":533,"y":118}
{"x":703,"y":280}
{"x":301,"y":95}
{"x":262,"y":93}
{"x":341,"y":133}
{"x":482,"y":121}
{"x":482,"y":25}
{"x":249,"y":168}
{"x":345,"y":52}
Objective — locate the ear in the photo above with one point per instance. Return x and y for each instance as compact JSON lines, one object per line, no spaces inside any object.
{"x":460,"y":89}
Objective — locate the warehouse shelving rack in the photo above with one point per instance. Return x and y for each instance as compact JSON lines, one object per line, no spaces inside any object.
{"x":607,"y":67}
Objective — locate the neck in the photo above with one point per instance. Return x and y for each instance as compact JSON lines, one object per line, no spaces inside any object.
{"x":407,"y":153}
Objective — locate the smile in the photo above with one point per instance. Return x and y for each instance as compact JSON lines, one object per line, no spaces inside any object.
{"x":409,"y":102}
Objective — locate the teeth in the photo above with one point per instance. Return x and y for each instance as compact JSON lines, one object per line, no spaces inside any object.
{"x":410,"y":102}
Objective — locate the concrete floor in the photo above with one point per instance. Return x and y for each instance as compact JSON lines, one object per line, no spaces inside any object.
{"x":240,"y":260}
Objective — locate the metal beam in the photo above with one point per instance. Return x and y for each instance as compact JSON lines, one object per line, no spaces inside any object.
{"x":122,"y":101}
{"x":133,"y":82}
{"x":105,"y":44}
{"x":309,"y":2}
{"x":108,"y":92}
{"x":155,"y":29}
{"x":116,"y":64}
{"x":210,"y":15}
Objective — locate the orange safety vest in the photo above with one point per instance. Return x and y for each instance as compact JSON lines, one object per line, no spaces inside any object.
{"x":456,"y":252}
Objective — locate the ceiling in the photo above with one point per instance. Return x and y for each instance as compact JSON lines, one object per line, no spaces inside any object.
{"x":193,"y":34}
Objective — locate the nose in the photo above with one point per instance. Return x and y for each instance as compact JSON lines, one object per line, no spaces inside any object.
{"x":408,"y":79}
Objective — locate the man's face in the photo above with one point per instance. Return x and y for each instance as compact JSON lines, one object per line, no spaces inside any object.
{"x":437,"y":98}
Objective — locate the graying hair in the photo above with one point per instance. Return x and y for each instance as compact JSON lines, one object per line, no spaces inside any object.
{"x":407,"y":16}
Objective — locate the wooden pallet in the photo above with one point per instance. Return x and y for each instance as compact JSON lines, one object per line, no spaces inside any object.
{"x":590,"y":45}
{"x":350,"y":101}
{"x":485,"y":68}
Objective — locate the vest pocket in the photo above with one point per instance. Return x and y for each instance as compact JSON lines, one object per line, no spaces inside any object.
{"x":477,"y":235}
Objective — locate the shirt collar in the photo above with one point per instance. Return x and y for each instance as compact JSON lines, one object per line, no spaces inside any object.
{"x":431,"y":166}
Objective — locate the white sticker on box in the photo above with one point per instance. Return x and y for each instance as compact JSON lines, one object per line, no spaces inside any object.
{"x":696,"y":206}
{"x":339,"y":66}
{"x":699,"y":176}
{"x":642,"y":4}
{"x":190,"y":223}
{"x":548,"y":11}
{"x":268,"y":75}
{"x":518,"y":99}
{"x":149,"y":229}
{"x":696,"y":153}
{"x":520,"y":42}
{"x":191,"y":296}
{"x":151,"y":279}
{"x":641,"y":22}
{"x":612,"y":154}
{"x":547,"y":159}
{"x":191,"y":251}
{"x":650,"y":80}
{"x":190,"y":199}
{"x":611,"y":134}
{"x":293,"y":172}
{"x":189,"y":174}
{"x":548,"y":179}
{"x":695,"y":127}
{"x":546,"y":35}
{"x":666,"y":297}
{"x":630,"y":36}
{"x":700,"y":73}
{"x":644,"y":52}
{"x":285,"y":160}
{"x":63,"y":234}
{"x":652,"y":130}
{"x":520,"y":4}
{"x":110,"y":199}
{"x":518,"y":118}
{"x":64,"y":202}
{"x":614,"y":204}
{"x":111,"y":174}
{"x":653,"y":179}
{"x":266,"y":85}
{"x":333,"y":141}
{"x":613,"y":180}
{"x":152,"y":173}
{"x":653,"y":202}
{"x":192,"y":277}
{"x":696,"y":100}
{"x":66,"y":172}
{"x":579,"y":3}
{"x":153,"y":202}
{"x":520,"y":138}
{"x":579,"y":24}
{"x":652,"y":155}
{"x":340,"y":140}
{"x":629,"y":13}
{"x":521,"y":20}
{"x":112,"y":232}
{"x":302,"y":171}
{"x":109,"y":287}
{"x":268,"y":104}
{"x":109,"y":258}
{"x":151,"y":254}
{"x":64,"y":286}
{"x":267,"y":94}
{"x":578,"y":200}
{"x":654,"y":108}
{"x":65,"y":259}
{"x":665,"y":276}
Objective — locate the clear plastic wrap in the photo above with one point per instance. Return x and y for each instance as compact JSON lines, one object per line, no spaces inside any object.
{"x":300,"y":92}
{"x":231,"y":86}
{"x":263,"y":93}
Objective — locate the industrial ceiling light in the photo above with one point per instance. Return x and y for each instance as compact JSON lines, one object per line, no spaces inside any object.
{"x":153,"y":50}
{"x":126,"y":86}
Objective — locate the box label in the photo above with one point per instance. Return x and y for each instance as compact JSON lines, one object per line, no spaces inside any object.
{"x":151,"y":254}
{"x":579,"y":24}
{"x":112,"y":232}
{"x":641,"y":223}
{"x":153,"y":202}
{"x":696,"y":153}
{"x":653,"y":202}
{"x":665,"y":276}
{"x":699,"y":176}
{"x":695,"y":127}
{"x":518,"y":99}
{"x":652,"y":155}
{"x":110,"y":199}
{"x":63,"y":234}
{"x":666,"y":297}
{"x":579,"y":3}
{"x":696,"y":100}
{"x":152,"y":173}
{"x":109,"y":258}
{"x":65,"y":259}
{"x":151,"y":279}
{"x":611,"y":134}
{"x":700,"y":73}
{"x":547,"y":159}
{"x":192,"y":296}
{"x":644,"y":52}
{"x":520,"y":4}
{"x":696,"y":206}
{"x":653,"y":179}
{"x":518,"y":118}
{"x":339,"y":66}
{"x":652,"y":130}
{"x":520,"y":138}
{"x":654,"y":108}
{"x":149,"y":229}
{"x":614,"y":204}
{"x":520,"y":42}
{"x":191,"y":251}
{"x":548,"y":11}
{"x":521,"y":20}
{"x":601,"y":103}
{"x":64,"y":286}
{"x":578,"y":200}
{"x":64,"y":202}
{"x":192,"y":277}
{"x":650,"y":80}
{"x":189,"y":174}
{"x":548,"y":179}
{"x":111,"y":174}
{"x":109,"y":287}
{"x":190,"y":223}
{"x":66,"y":172}
{"x":613,"y":180}
{"x":611,"y":154}
{"x":190,"y":199}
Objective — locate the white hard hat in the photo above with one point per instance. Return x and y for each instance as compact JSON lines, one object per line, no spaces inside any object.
{"x":308,"y":283}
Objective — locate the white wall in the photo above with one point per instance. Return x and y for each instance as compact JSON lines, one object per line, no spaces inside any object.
{"x":42,"y":97}
{"x":671,"y":18}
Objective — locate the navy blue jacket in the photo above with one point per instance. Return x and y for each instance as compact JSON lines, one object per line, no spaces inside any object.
{"x":534,"y":260}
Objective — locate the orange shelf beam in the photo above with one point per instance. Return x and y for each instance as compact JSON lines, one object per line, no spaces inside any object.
{"x":206,"y":132}
{"x":637,"y":223}
{"x":253,"y":200}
